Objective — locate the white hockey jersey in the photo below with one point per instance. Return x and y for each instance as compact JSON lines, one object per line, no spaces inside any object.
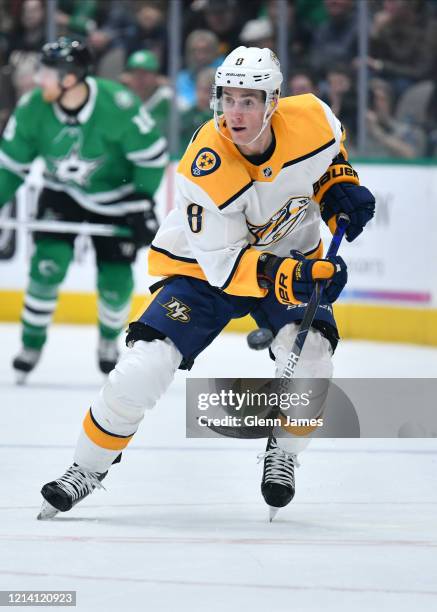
{"x":229,"y":210}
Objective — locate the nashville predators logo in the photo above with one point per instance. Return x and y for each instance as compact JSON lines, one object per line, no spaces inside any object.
{"x":177,"y":310}
{"x":206,"y":162}
{"x":282,"y":222}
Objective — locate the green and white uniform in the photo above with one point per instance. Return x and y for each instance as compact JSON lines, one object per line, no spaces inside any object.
{"x":159,"y":107}
{"x":106,"y":162}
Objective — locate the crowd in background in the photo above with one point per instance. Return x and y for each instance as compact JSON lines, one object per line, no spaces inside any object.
{"x":129,"y":42}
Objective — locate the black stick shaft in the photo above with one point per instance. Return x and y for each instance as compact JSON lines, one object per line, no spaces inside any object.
{"x":313,"y":304}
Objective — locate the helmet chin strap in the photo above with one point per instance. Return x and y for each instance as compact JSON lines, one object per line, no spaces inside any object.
{"x":269,"y":110}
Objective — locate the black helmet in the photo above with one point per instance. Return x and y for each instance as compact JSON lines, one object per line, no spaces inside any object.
{"x":68,"y":56}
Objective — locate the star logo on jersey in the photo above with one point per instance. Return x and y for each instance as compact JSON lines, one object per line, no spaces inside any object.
{"x":282,"y":223}
{"x":73,"y":168}
{"x":206,"y":161}
{"x":177,"y":310}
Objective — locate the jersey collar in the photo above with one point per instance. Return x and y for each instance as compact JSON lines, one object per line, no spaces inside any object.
{"x":86,"y":111}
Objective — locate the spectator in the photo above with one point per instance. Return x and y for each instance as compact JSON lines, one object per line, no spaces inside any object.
{"x":130,"y":26}
{"x":418,"y":107}
{"x":201,"y":112}
{"x":201,"y":51}
{"x":302,"y":82}
{"x":224,"y":18}
{"x":143,"y":78}
{"x":24,"y":66}
{"x":338,"y":92}
{"x":335,"y":40}
{"x":311,"y":13}
{"x":149,"y":31}
{"x":221,"y":17}
{"x":387,"y":137}
{"x":413,"y":105}
{"x":299,"y":35}
{"x":258,"y":33}
{"x":29,"y":34}
{"x":6,"y":26}
{"x":107,"y":41}
{"x":7,"y":93}
{"x":76,"y":16}
{"x":398,"y":44}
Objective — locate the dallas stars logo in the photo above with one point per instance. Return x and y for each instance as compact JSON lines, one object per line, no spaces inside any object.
{"x":73,"y":168}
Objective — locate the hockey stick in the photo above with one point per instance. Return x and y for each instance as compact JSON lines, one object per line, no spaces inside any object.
{"x":314,"y":302}
{"x":66,"y":227}
{"x":309,"y":314}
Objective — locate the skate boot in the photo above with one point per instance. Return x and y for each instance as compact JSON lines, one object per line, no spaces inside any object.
{"x":277,"y":486}
{"x":107,"y":354}
{"x":25,"y":362}
{"x":62,"y":494}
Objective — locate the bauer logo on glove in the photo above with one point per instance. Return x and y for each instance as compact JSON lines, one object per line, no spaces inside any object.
{"x":354,"y":200}
{"x":294,"y":278}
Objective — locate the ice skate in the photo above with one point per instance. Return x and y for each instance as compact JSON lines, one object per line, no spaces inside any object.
{"x":277,"y":486}
{"x":25,"y":362}
{"x":62,"y":494}
{"x":107,"y":354}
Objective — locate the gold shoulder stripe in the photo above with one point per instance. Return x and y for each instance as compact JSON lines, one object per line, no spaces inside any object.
{"x":235,"y":196}
{"x":310,"y":154}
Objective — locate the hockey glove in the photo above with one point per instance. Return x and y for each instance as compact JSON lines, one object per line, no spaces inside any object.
{"x":354,"y":200}
{"x":294,"y":278}
{"x":143,"y":225}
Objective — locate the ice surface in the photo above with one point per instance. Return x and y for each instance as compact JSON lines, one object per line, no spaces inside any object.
{"x":182,"y":525}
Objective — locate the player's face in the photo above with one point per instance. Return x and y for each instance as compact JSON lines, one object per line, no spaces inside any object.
{"x":244,"y":113}
{"x":48,"y":79}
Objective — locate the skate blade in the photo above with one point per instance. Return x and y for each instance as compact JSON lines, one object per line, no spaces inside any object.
{"x":47,"y":512}
{"x":21,"y":377}
{"x":272,"y":513}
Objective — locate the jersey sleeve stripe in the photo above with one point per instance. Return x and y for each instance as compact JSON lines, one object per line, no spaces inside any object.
{"x":234,"y":268}
{"x":13,"y":166}
{"x":316,"y":252}
{"x":244,"y":281}
{"x":235,"y":196}
{"x":158,"y":162}
{"x":308,"y":155}
{"x":156,"y":149}
{"x":172,"y":255}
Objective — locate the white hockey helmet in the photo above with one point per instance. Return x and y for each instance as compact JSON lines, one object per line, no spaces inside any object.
{"x":248,"y":68}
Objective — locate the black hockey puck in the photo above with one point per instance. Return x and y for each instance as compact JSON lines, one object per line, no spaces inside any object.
{"x":260,"y":339}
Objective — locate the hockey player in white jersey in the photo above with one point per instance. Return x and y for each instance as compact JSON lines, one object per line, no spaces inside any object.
{"x":253,"y":185}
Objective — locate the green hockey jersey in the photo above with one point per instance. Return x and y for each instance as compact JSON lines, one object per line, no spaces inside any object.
{"x":110,"y":150}
{"x":159,"y":107}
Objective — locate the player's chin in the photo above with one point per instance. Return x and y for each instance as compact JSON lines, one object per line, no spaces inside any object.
{"x":50,"y":95}
{"x":239,"y":136}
